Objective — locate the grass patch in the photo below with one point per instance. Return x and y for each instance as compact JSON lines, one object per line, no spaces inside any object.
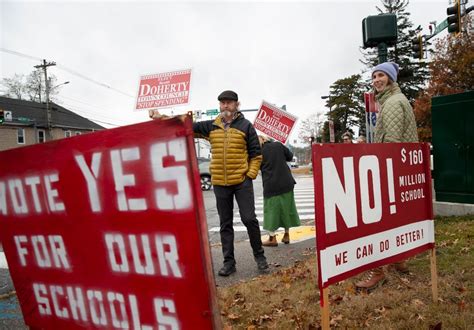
{"x":289,"y":298}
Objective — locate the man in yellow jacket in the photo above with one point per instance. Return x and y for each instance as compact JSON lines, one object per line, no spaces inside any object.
{"x":236,"y":159}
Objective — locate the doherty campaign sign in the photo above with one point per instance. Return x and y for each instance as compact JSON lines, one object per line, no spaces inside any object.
{"x":163,"y":90}
{"x":106,"y":230}
{"x":373,"y":206}
{"x":274,"y":122}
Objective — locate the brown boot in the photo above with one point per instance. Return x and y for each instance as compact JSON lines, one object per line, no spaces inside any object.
{"x":272,"y":241}
{"x":375,"y":278}
{"x":400,"y":267}
{"x":286,"y":238}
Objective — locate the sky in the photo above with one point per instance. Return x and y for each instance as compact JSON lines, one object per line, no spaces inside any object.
{"x":283,"y":52}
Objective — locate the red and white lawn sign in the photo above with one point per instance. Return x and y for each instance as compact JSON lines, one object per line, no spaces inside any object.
{"x":371,"y":110}
{"x":163,"y":90}
{"x":107,"y":230}
{"x":274,"y":122}
{"x":373,"y":206}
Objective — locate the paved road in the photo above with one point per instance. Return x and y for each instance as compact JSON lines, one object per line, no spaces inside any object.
{"x":304,"y":196}
{"x":301,"y":247}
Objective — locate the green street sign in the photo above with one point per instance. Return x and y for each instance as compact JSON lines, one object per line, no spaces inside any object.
{"x":212,"y":112}
{"x":23,"y":119}
{"x":441,"y":26}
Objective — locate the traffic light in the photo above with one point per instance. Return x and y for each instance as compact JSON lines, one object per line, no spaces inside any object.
{"x":379,"y":29}
{"x":2,"y":116}
{"x":417,"y":47}
{"x":454,"y":17}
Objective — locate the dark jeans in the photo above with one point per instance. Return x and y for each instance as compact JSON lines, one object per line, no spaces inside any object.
{"x":243,"y":193}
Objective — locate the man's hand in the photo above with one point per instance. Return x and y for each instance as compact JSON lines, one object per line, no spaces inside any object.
{"x":155,"y":114}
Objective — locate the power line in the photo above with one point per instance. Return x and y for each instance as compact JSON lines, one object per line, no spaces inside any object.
{"x":104,"y":122}
{"x":20,"y":54}
{"x":92,"y":80}
{"x":72,"y":107}
{"x":100,"y":121}
{"x":61,"y":97}
{"x":64,"y":68}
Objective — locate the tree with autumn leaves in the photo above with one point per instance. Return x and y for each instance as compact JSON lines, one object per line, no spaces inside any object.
{"x":451,"y":71}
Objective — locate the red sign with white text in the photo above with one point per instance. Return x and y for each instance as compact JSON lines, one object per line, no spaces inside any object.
{"x":163,"y":90}
{"x":274,"y":122}
{"x":370,"y":104}
{"x":373,"y":206}
{"x":106,"y":230}
{"x":371,"y":110}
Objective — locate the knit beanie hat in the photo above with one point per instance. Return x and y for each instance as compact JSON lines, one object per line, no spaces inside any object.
{"x":389,"y":68}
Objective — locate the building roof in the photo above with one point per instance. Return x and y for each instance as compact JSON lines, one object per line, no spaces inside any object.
{"x":31,"y":112}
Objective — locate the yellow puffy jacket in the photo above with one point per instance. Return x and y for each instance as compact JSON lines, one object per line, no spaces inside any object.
{"x":235,"y":151}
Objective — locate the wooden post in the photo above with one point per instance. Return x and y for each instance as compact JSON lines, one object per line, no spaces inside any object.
{"x":434,"y":274}
{"x":325,"y":310}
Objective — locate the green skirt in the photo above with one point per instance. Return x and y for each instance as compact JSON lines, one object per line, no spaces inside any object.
{"x":280,"y":212}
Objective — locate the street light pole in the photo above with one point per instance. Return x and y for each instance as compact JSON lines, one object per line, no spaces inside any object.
{"x":64,"y":83}
{"x":324,"y":97}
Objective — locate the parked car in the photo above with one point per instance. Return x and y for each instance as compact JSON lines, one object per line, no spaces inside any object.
{"x":294,"y":163}
{"x":205,"y":173}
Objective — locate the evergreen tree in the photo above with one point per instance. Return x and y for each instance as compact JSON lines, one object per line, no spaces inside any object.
{"x":326,"y":136}
{"x":413,"y":73}
{"x":346,"y":104}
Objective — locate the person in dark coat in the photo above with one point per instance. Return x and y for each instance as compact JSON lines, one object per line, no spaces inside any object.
{"x":279,"y":207}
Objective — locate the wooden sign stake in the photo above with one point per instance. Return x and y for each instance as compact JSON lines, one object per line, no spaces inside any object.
{"x":434,"y":274}
{"x":325,"y":310}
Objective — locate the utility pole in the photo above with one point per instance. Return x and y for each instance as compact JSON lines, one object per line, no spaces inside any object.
{"x":48,"y":109}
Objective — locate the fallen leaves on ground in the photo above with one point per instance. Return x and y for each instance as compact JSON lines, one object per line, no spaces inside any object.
{"x":418,"y":303}
{"x":289,"y":297}
{"x":335,"y":319}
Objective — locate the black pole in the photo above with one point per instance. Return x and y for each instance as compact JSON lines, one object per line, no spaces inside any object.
{"x":382,"y":49}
